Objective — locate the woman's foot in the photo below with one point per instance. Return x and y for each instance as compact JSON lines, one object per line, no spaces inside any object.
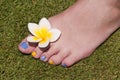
{"x":84,"y":26}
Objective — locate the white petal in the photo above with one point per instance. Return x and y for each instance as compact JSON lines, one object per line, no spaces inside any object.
{"x":43,"y":44}
{"x":32,"y":27}
{"x":44,"y":23}
{"x":33,"y":39}
{"x":55,"y":34}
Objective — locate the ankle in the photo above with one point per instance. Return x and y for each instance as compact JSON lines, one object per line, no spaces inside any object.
{"x":113,"y":7}
{"x":111,"y":3}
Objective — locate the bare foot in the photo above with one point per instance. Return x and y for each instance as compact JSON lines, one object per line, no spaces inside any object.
{"x":84,"y":26}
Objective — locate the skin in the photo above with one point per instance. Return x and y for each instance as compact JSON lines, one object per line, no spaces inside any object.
{"x":84,"y":26}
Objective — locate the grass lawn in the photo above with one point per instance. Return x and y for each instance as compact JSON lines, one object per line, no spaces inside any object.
{"x":104,"y":64}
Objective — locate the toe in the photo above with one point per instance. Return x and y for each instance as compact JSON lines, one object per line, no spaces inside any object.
{"x":57,"y":59}
{"x":26,"y":47}
{"x":46,"y":55}
{"x":37,"y":53}
{"x":71,"y":59}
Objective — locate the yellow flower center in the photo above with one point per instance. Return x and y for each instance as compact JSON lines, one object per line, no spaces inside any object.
{"x":35,"y":38}
{"x":43,"y":34}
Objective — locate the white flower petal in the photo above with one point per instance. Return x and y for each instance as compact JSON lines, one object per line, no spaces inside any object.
{"x":32,"y":27}
{"x":43,"y":44}
{"x":44,"y":23}
{"x":55,"y":34}
{"x":33,"y":39}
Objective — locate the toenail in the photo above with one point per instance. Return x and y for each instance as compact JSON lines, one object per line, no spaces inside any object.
{"x":42,"y":58}
{"x":64,"y":65}
{"x":51,"y":62}
{"x":24,"y":45}
{"x":33,"y":54}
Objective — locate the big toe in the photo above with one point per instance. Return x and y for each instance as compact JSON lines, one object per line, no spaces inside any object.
{"x":26,"y":47}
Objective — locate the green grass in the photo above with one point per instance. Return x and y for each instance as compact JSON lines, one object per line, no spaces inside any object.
{"x":104,"y":64}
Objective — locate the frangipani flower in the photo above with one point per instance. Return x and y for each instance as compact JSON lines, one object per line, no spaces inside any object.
{"x":42,"y":33}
